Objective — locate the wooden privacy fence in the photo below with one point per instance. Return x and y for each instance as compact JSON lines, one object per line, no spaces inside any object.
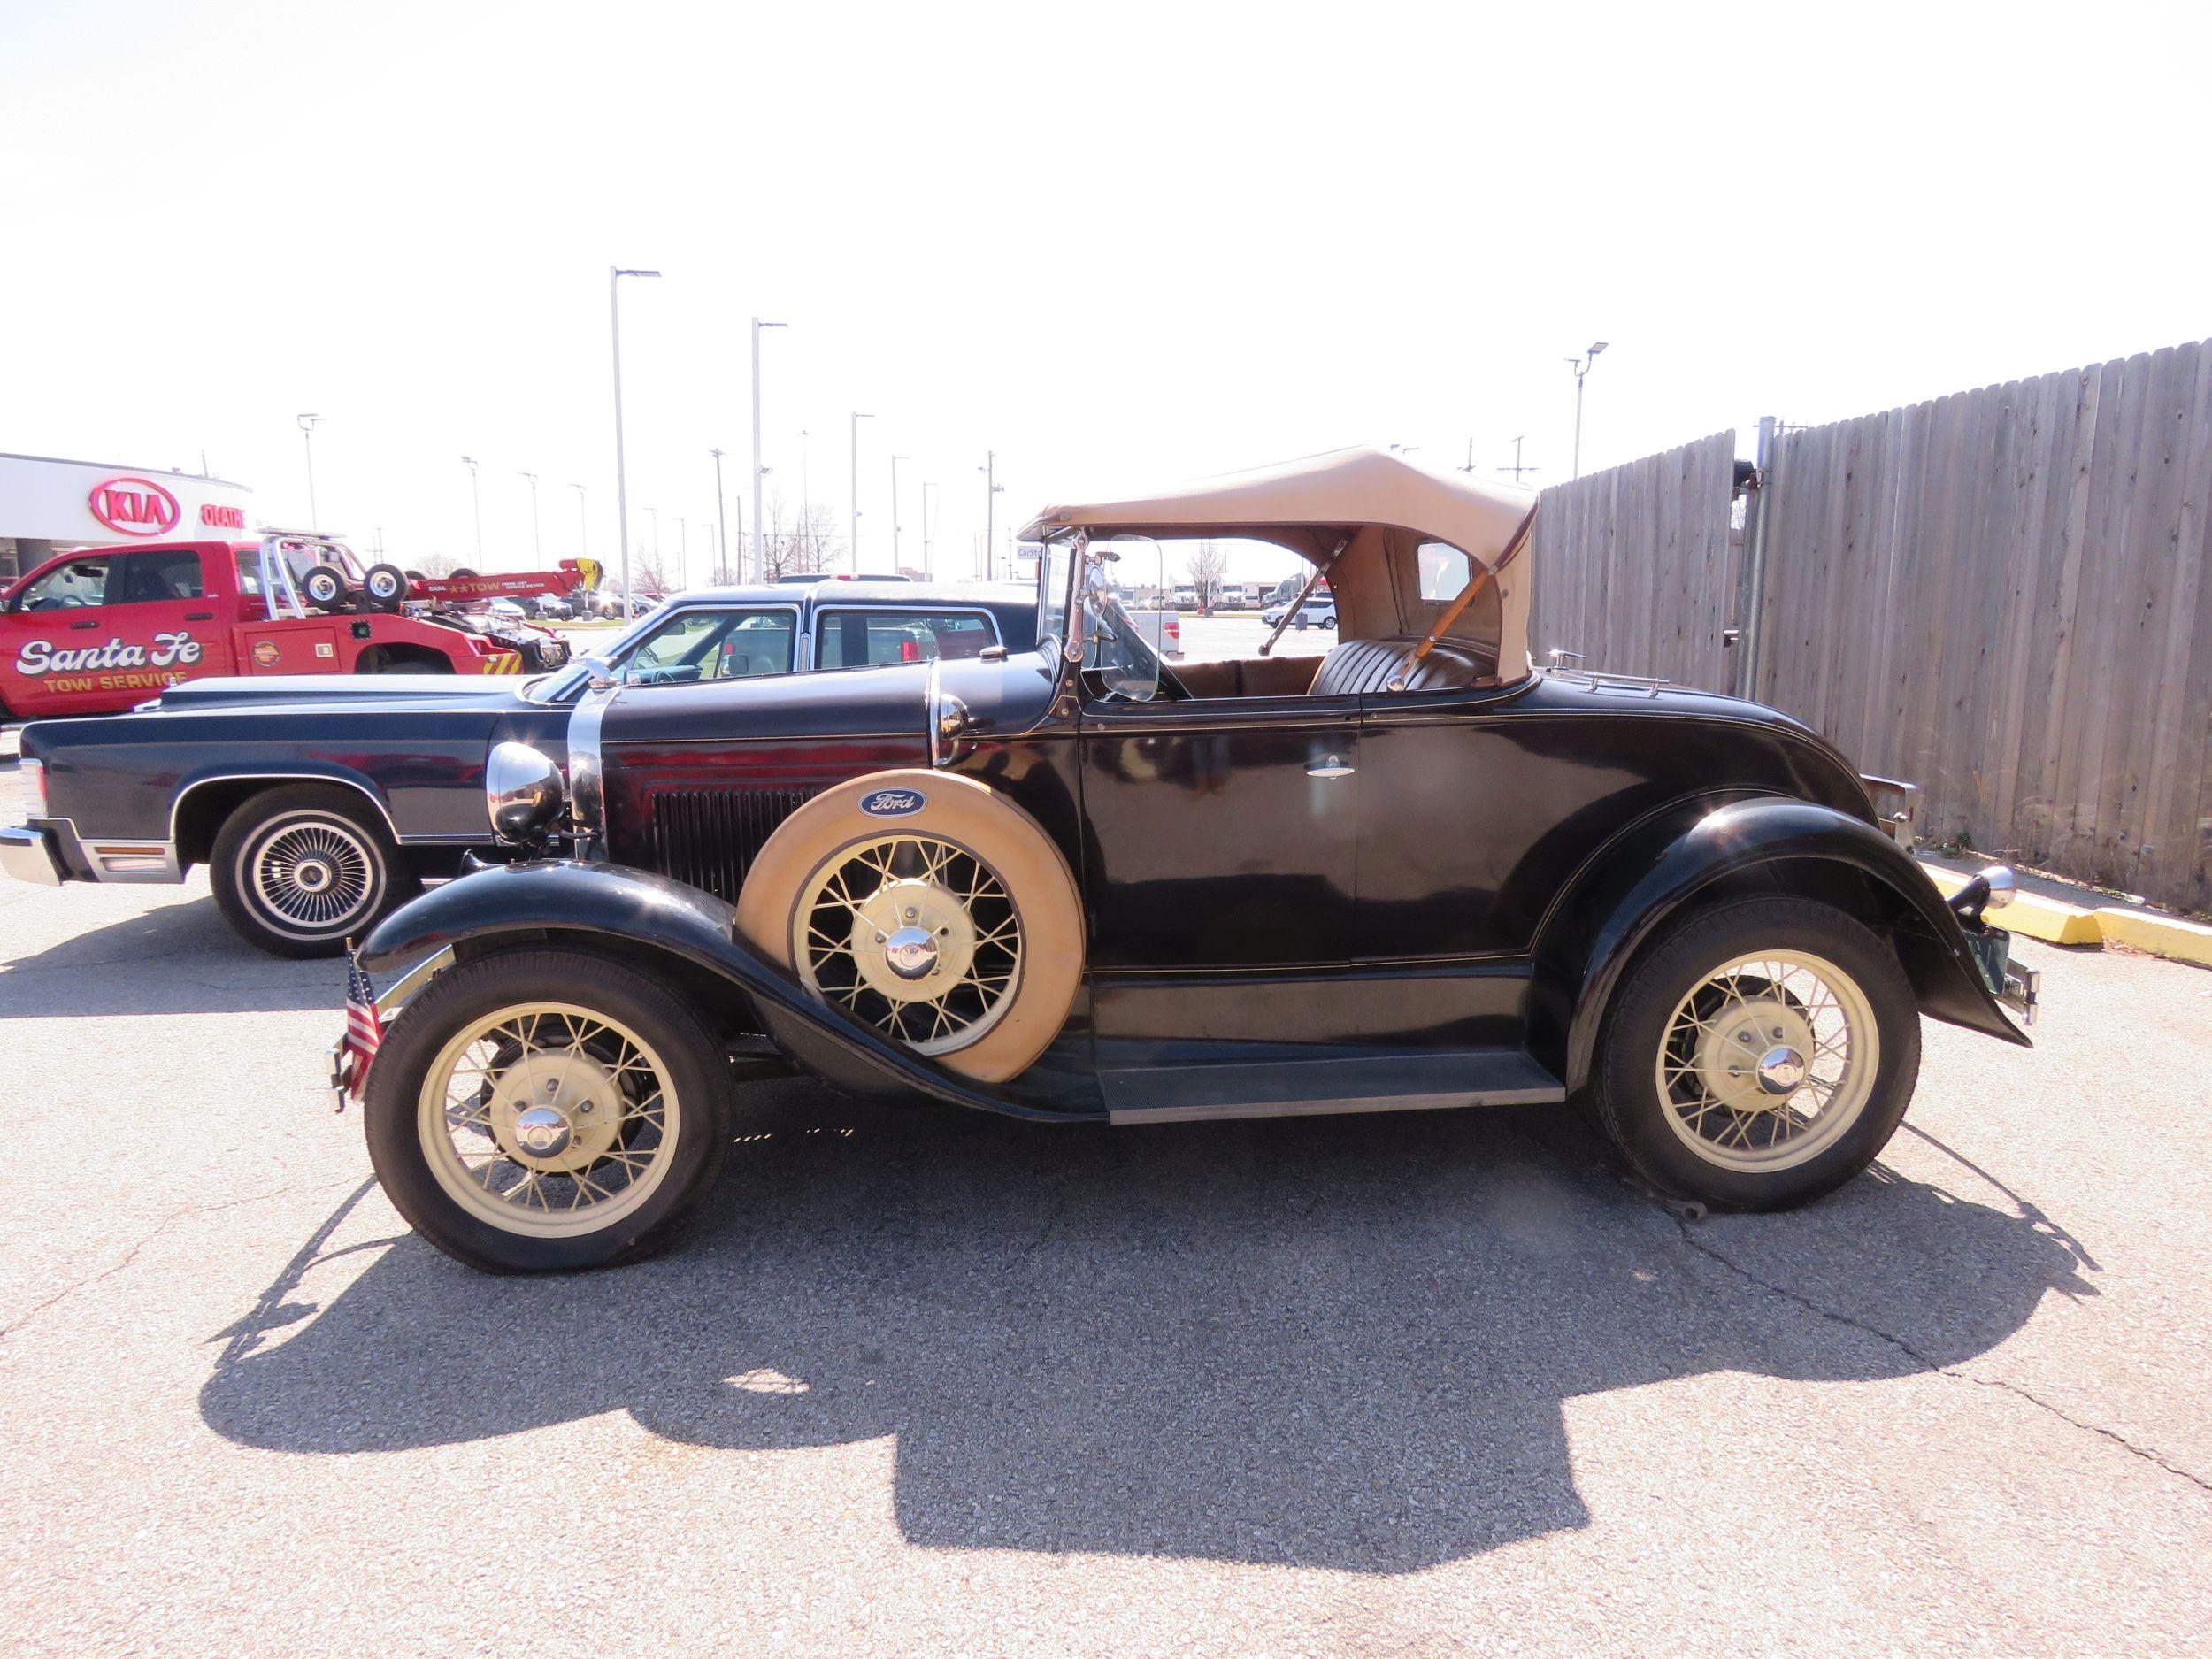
{"x":1999,"y":595}
{"x":1635,"y":566}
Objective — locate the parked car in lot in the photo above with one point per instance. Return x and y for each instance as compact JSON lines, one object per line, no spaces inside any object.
{"x":1077,"y":883}
{"x":318,"y":803}
{"x":1314,"y":613}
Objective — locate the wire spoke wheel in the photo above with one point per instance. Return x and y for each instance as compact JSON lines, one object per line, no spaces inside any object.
{"x":913,"y":935}
{"x":1768,"y":1061}
{"x":549,"y":1119}
{"x":313,"y":875}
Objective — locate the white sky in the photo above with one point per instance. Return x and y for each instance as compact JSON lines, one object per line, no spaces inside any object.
{"x":1120,"y":244}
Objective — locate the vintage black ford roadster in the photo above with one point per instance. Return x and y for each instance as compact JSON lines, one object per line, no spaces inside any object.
{"x":1073,"y":883}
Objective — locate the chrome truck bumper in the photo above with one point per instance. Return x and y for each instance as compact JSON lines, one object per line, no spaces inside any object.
{"x":30,"y":855}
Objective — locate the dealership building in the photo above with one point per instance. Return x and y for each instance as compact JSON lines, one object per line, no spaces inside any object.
{"x":48,"y":506}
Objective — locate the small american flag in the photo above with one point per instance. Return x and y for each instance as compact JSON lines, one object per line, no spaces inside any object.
{"x":365,"y":1031}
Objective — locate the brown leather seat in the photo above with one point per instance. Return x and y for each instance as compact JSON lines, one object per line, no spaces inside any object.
{"x":1357,"y":667}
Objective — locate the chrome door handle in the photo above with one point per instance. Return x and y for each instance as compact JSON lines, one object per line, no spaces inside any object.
{"x":1332,"y":767}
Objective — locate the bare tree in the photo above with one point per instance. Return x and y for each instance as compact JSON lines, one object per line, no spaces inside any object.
{"x":436,"y":564}
{"x":1208,"y":568}
{"x":792,"y":546}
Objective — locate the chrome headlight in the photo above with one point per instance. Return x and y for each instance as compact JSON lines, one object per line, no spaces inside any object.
{"x":1991,"y":889}
{"x":523,"y":792}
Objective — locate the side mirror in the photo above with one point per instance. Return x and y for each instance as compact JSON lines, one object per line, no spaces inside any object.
{"x":599,"y":673}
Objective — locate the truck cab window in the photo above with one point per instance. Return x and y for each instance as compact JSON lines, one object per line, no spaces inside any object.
{"x":156,"y":576}
{"x":68,"y":587}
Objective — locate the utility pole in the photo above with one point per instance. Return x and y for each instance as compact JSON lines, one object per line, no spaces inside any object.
{"x":992,"y":490}
{"x":760,"y":551}
{"x":895,"y":512}
{"x":740,"y":573}
{"x":1516,"y":469}
{"x":857,"y":419}
{"x":721,"y":544}
{"x":1581,"y":366}
{"x":683,"y":555}
{"x":307,"y":437}
{"x":478,"y":494}
{"x":927,"y":487}
{"x":537,"y":540}
{"x":621,"y":472}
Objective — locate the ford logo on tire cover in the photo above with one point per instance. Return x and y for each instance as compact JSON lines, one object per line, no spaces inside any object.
{"x":894,"y":802}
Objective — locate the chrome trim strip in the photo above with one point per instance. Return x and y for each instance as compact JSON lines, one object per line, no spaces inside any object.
{"x":586,"y":766}
{"x":411,"y":981}
{"x":253,"y":775}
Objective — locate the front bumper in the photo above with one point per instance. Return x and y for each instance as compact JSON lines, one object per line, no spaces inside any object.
{"x":29,"y":855}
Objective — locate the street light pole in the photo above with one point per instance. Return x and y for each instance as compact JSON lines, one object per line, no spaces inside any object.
{"x":992,"y":489}
{"x":857,"y":419}
{"x":760,"y":550}
{"x":1581,"y":366}
{"x":537,"y":538}
{"x":307,"y":437}
{"x":894,"y":511}
{"x":721,"y":508}
{"x":927,"y":487}
{"x":477,"y":494}
{"x":621,"y":472}
{"x":583,"y":525}
{"x":683,"y":554}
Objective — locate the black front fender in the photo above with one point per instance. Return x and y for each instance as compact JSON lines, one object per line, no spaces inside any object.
{"x":650,"y":914}
{"x":1664,"y":862}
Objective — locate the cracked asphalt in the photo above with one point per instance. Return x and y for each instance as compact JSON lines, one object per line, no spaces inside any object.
{"x":919,"y":1384}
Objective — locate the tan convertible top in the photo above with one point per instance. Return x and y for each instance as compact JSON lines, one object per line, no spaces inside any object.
{"x":1310,"y":504}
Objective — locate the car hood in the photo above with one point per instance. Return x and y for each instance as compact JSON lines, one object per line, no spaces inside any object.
{"x":353,"y":690}
{"x":843,"y":702}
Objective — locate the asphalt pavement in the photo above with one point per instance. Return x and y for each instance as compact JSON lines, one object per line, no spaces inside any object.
{"x":917,"y":1383}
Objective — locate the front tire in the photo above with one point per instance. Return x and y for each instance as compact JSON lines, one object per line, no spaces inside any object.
{"x":297,"y":870}
{"x":1758,"y":1053}
{"x":544,"y":1111}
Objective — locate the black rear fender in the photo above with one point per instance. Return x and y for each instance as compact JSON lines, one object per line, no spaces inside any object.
{"x":689,"y":938}
{"x":1700,"y":851}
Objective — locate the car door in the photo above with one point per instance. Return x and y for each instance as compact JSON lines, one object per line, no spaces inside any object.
{"x":1220,"y":832}
{"x":51,"y":640}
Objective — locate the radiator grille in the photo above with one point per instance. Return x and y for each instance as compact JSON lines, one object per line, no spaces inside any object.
{"x":708,"y":838}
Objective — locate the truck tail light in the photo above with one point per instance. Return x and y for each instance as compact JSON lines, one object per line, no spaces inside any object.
{"x":33,"y":773}
{"x":909,"y":651}
{"x":1175,"y":630}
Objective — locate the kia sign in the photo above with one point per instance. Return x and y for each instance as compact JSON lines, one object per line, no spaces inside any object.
{"x":133,"y":506}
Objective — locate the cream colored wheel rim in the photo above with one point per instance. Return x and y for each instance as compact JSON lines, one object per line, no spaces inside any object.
{"x":1768,"y":1061}
{"x":913,"y":935}
{"x":549,"y":1119}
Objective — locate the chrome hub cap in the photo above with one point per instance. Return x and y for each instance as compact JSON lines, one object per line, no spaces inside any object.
{"x":1768,"y":1061}
{"x":311,"y":876}
{"x":549,"y":1119}
{"x":1781,"y":1070}
{"x":914,"y":935}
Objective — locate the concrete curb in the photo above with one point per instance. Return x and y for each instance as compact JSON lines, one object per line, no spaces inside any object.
{"x":2061,"y":924}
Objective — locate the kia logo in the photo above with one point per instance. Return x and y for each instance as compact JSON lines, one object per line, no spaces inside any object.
{"x":134,"y":506}
{"x":892,"y":802}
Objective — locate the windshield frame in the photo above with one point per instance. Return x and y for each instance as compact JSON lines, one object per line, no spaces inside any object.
{"x":1064,"y":553}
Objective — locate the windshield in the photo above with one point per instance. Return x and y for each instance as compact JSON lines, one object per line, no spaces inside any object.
{"x":1052,"y":592}
{"x":1114,"y":647}
{"x":559,"y":687}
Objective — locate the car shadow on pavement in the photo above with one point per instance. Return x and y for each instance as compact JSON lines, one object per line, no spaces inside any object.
{"x":169,"y":959}
{"x":1343,"y":1343}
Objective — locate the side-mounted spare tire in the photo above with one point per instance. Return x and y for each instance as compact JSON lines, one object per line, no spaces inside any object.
{"x":928,"y":907}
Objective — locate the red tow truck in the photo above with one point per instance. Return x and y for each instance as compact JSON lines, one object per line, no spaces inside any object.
{"x":104,"y":629}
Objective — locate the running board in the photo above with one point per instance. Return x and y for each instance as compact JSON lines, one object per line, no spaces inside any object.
{"x":1343,"y":1083}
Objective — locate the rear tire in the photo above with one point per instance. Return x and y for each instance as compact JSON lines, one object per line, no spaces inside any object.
{"x":1758,"y":1054}
{"x":299,"y":869}
{"x":614,"y":1064}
